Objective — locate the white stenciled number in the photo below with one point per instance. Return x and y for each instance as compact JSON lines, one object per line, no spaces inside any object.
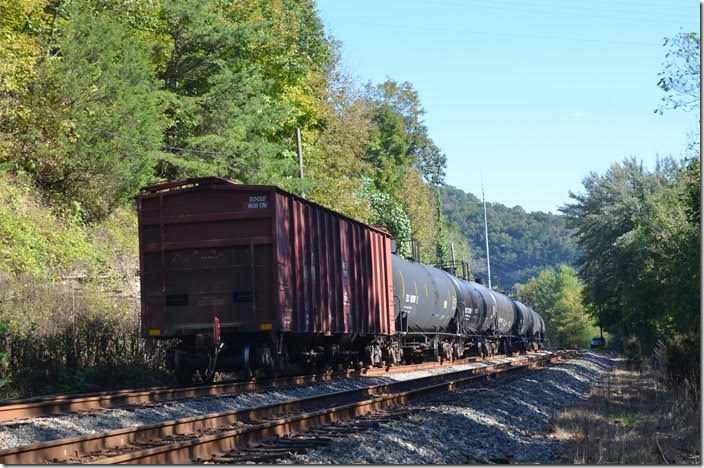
{"x":257,"y":202}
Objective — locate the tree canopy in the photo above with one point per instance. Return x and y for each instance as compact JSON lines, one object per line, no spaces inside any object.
{"x":638,"y":236}
{"x":639,"y":230}
{"x":557,"y":294}
{"x":100,"y":97}
{"x":680,"y":76}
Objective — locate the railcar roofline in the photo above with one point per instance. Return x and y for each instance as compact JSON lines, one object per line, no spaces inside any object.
{"x":155,"y":190}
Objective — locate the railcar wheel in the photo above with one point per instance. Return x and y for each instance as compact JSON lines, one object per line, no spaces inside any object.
{"x":247,"y":373}
{"x":181,"y":363}
{"x":267,"y":361}
{"x":202,"y":373}
{"x":184,"y":373}
{"x":269,"y":372}
{"x":322,"y":366}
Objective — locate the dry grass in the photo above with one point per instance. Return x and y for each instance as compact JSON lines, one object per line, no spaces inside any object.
{"x":632,"y":417}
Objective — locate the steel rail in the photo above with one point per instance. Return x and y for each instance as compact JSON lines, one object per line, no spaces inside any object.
{"x":188,"y":451}
{"x":56,"y":404}
{"x":77,"y":448}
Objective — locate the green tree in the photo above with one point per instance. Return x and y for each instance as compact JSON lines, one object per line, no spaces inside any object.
{"x":388,"y":148}
{"x":292,"y":51}
{"x":20,"y":49}
{"x":388,"y":213}
{"x":680,"y":80}
{"x":401,"y":139}
{"x":244,"y":76}
{"x":442,"y":247}
{"x":614,"y":257}
{"x":98,"y":117}
{"x":221,"y":112}
{"x":406,"y":163}
{"x":666,"y":245}
{"x":557,"y":295}
{"x":334,"y":159}
{"x":459,"y":243}
{"x":420,"y":204}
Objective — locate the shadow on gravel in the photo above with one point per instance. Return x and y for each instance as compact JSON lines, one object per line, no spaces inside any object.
{"x":501,"y":421}
{"x":508,"y":417}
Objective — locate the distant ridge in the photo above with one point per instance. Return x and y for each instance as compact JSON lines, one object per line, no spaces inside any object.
{"x":521,"y":244}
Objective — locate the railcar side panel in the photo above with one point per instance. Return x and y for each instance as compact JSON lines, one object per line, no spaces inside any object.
{"x":538,"y":326}
{"x":260,"y":259}
{"x":524,"y":319}
{"x":426,"y":295}
{"x":490,"y":307}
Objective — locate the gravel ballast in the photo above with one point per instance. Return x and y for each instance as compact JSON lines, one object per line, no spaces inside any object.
{"x":42,"y":429}
{"x":501,"y":421}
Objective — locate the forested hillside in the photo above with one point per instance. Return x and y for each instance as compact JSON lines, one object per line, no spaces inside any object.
{"x":99,"y":98}
{"x":521,"y":244}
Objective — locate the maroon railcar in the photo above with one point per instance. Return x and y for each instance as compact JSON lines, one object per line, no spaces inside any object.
{"x":248,"y":276}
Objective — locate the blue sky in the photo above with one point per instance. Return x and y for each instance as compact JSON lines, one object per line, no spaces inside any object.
{"x":534,"y":94}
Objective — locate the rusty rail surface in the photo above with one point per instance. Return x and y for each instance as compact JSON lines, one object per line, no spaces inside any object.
{"x":56,"y":404}
{"x":213,"y":433}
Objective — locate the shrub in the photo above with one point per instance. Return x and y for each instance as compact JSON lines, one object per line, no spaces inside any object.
{"x":634,"y":357}
{"x":679,"y":358}
{"x":59,"y":338}
{"x":69,"y":301}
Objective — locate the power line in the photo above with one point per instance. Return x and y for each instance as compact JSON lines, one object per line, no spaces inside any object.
{"x":514,"y":10}
{"x":502,"y":270}
{"x":509,"y":264}
{"x":508,"y":2}
{"x":466,"y":31}
{"x":637,"y":4}
{"x":633,"y":4}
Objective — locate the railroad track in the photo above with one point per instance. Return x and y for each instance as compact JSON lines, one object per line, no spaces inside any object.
{"x":274,"y":449}
{"x":234,"y":435}
{"x":56,"y":404}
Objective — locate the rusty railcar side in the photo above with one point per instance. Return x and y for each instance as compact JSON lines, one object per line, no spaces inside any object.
{"x":258,"y":263}
{"x":334,"y":272}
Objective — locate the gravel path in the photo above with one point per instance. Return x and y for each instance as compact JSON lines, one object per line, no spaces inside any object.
{"x":502,"y":421}
{"x":35,"y":430}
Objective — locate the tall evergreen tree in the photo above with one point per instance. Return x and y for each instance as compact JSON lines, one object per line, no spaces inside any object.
{"x":99,"y":115}
{"x":222,"y":111}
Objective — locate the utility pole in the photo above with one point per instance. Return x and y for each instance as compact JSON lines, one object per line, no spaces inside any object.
{"x":486,"y":236}
{"x":300,"y":155}
{"x":701,"y":125}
